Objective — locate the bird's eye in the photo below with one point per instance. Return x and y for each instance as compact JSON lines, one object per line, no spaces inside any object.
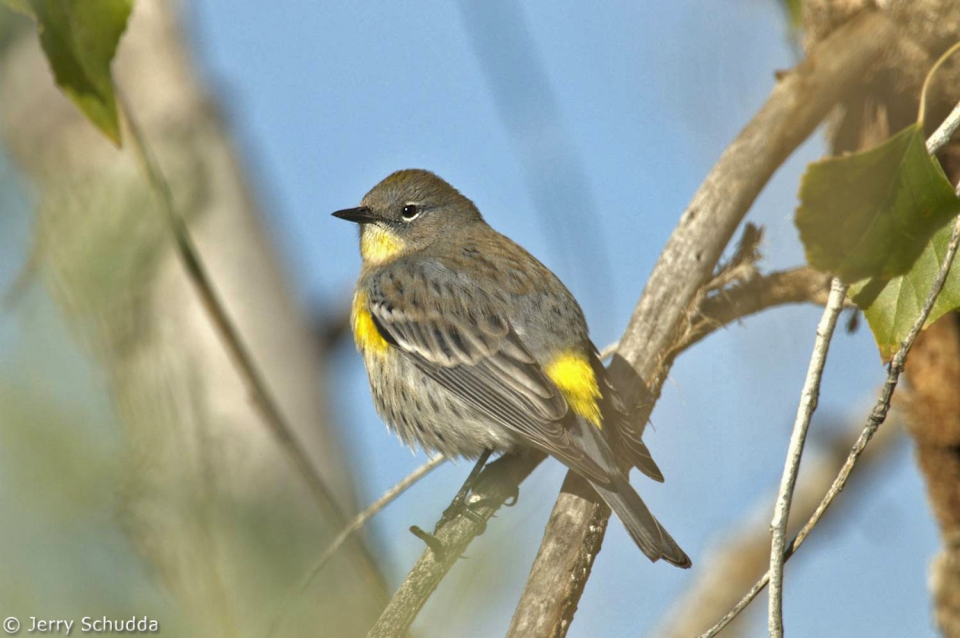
{"x":410,"y":212}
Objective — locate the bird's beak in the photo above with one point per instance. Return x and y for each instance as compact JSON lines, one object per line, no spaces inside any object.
{"x":360,"y":215}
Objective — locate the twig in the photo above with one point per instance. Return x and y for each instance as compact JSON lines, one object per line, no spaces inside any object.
{"x":496,"y":484}
{"x":944,"y":132}
{"x":797,"y":285}
{"x":742,"y":552}
{"x":808,"y":403}
{"x":352,"y":527}
{"x":198,"y":275}
{"x":877,"y":416}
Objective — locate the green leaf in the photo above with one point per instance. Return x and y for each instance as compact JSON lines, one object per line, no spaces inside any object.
{"x":892,"y":305}
{"x":80,"y":38}
{"x":872,"y":214}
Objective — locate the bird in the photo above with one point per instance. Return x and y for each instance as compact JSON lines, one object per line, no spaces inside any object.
{"x":472,"y":346}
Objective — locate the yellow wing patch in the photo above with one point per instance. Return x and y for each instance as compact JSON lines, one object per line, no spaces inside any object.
{"x":571,"y":372}
{"x":365,"y":333}
{"x":378,"y":245}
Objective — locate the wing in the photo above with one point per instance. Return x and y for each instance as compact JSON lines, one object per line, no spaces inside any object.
{"x":453,"y":334}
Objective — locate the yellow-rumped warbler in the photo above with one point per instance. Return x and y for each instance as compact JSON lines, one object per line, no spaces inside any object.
{"x":473,"y":345}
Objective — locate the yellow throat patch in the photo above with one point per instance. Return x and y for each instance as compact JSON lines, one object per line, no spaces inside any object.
{"x":365,"y":333}
{"x":378,"y":245}
{"x":571,"y":372}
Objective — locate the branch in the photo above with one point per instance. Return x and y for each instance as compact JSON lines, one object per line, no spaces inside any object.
{"x":945,"y":131}
{"x":198,"y":275}
{"x":808,"y":403}
{"x":496,"y":484}
{"x":352,"y":527}
{"x":794,"y":109}
{"x":802,"y":284}
{"x":797,"y":285}
{"x":744,"y":555}
{"x":877,"y":416}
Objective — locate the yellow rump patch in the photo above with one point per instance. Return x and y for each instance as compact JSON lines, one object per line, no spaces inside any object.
{"x":365,"y":333}
{"x":378,"y":244}
{"x":572,"y":373}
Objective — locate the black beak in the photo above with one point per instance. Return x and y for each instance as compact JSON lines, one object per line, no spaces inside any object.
{"x":360,"y":215}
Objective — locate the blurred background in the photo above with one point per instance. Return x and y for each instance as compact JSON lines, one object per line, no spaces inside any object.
{"x":135,"y":478}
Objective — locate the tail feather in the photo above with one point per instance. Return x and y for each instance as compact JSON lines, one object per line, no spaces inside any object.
{"x":646,"y":531}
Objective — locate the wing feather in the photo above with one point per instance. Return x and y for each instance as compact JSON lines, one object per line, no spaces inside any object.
{"x":469,"y":349}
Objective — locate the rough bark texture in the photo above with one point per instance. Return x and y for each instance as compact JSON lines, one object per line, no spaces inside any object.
{"x":209,"y":500}
{"x":887,"y":100}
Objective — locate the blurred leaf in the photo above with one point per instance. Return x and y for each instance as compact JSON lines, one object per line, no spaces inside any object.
{"x":892,"y":305}
{"x":871,"y":214}
{"x":80,"y":39}
{"x":794,"y":10}
{"x":20,"y":6}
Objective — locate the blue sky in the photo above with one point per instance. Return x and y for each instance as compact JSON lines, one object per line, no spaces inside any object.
{"x":629,"y":104}
{"x":328,"y":98}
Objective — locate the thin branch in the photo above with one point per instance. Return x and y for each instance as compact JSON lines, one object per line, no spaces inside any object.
{"x":496,"y":484}
{"x":352,"y":527}
{"x":198,"y":275}
{"x":741,"y":553}
{"x":877,"y":416}
{"x":944,"y":132}
{"x":797,"y":285}
{"x":809,"y":397}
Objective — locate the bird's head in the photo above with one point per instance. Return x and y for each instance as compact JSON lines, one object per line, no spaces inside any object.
{"x":406,"y":212}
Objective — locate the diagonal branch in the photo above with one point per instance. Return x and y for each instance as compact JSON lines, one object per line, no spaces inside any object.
{"x":198,"y":274}
{"x":802,"y":284}
{"x":352,"y":527}
{"x":743,"y":554}
{"x":496,"y":484}
{"x":798,"y":103}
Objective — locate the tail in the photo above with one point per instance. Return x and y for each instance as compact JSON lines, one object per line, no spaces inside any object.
{"x":647,"y":533}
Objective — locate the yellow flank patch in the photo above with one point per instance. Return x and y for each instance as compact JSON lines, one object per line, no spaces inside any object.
{"x":365,"y":332}
{"x":572,"y":373}
{"x":378,"y":244}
